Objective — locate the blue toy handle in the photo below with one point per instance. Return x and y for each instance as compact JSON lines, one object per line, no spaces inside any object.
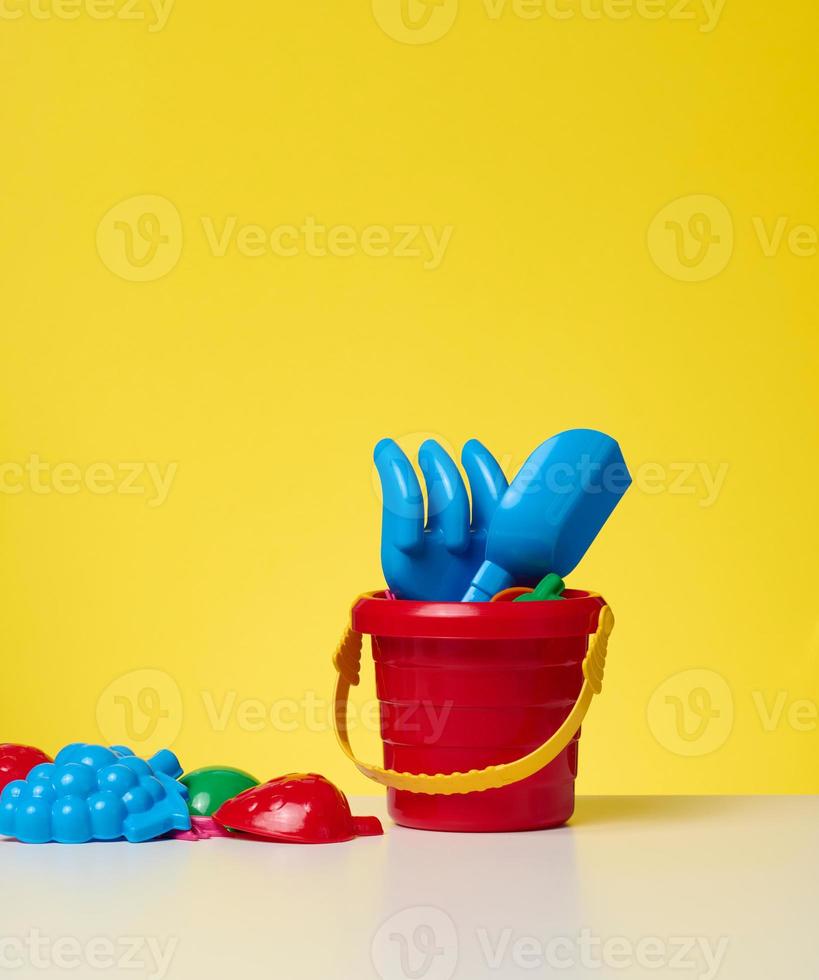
{"x":489,"y":580}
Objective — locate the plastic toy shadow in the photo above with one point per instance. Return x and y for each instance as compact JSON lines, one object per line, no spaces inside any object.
{"x":436,"y":562}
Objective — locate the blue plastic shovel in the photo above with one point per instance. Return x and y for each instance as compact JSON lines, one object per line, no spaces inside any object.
{"x":551,"y":513}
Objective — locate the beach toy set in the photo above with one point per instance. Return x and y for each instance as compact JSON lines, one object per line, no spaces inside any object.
{"x":485,"y":663}
{"x":485,"y":666}
{"x":94,"y":793}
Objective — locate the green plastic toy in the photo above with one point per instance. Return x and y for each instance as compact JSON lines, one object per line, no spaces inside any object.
{"x":212,"y":786}
{"x":547,"y":589}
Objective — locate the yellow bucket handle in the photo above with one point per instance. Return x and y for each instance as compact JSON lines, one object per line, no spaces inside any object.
{"x":347,"y":661}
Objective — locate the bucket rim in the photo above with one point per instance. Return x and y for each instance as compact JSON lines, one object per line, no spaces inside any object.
{"x":576,"y":615}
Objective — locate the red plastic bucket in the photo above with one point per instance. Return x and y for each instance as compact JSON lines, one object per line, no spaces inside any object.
{"x":473,"y":686}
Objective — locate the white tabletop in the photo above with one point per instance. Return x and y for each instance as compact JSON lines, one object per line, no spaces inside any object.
{"x":636,"y":887}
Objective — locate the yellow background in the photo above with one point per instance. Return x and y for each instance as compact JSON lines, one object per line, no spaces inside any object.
{"x":547,"y":146}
